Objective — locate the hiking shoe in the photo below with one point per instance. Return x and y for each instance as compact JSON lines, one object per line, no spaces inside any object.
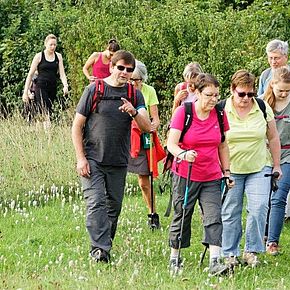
{"x":217,"y":268}
{"x":273,"y":249}
{"x":100,"y":255}
{"x":251,"y":259}
{"x":175,"y":267}
{"x":153,"y":221}
{"x":231,"y":261}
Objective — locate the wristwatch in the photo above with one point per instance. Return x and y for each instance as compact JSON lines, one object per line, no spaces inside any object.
{"x":133,"y":116}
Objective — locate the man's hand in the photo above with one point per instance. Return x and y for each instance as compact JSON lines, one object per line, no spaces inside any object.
{"x":127,"y":107}
{"x":83,"y":167}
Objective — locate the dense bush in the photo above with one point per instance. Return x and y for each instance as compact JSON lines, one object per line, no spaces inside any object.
{"x":222,"y":36}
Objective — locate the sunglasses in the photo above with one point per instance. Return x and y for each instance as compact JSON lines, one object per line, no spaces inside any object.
{"x":122,"y":68}
{"x":135,"y":80}
{"x":243,"y":94}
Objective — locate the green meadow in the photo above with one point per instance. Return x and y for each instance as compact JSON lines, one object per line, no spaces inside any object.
{"x":44,"y":243}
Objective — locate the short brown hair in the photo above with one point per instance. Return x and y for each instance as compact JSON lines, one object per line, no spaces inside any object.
{"x":242,"y":78}
{"x":204,"y":80}
{"x":124,"y":55}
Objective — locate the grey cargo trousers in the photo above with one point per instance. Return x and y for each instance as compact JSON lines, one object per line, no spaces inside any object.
{"x":209,"y":195}
{"x":103,"y":193}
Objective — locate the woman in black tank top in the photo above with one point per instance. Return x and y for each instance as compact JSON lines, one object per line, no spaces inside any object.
{"x":48,"y":64}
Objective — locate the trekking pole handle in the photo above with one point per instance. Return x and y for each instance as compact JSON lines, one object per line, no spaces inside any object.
{"x":274,"y":175}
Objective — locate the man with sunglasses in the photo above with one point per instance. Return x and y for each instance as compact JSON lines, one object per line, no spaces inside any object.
{"x":101,"y":140}
{"x":277,"y":54}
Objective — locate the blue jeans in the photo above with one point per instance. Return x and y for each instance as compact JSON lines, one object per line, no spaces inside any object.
{"x":257,"y":189}
{"x":278,"y":204}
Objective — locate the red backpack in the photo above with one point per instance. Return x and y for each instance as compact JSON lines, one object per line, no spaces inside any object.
{"x":99,"y":95}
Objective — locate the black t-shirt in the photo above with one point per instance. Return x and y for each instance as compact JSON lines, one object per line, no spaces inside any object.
{"x":107,"y":132}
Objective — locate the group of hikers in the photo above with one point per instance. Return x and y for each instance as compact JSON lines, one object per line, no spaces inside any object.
{"x":223,"y":150}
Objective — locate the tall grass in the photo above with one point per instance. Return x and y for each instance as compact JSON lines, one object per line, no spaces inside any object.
{"x":44,"y":243}
{"x":34,"y":159}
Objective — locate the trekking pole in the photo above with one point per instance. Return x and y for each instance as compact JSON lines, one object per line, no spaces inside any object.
{"x":151,"y":180}
{"x":224,"y":189}
{"x":274,"y":187}
{"x":183,"y":214}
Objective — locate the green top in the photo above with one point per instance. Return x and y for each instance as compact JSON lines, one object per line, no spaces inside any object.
{"x":247,"y":139}
{"x":149,"y":95}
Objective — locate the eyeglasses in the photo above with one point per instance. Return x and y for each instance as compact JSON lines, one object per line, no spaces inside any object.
{"x":122,"y":68}
{"x":210,"y":96}
{"x":135,"y":80}
{"x":243,"y":94}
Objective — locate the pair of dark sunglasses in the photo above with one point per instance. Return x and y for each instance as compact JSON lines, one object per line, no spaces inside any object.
{"x":135,"y":80}
{"x":243,"y":94}
{"x":122,"y":68}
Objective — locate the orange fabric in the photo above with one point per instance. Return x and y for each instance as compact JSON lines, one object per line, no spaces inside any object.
{"x":158,"y":152}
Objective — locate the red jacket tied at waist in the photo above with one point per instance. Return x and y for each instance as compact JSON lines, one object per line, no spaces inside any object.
{"x":158,"y":152}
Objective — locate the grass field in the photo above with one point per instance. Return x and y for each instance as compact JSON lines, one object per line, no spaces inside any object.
{"x":44,"y":243}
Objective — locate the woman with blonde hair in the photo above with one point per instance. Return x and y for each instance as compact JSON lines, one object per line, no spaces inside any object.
{"x":185,"y":91}
{"x":278,"y":97}
{"x":48,"y":64}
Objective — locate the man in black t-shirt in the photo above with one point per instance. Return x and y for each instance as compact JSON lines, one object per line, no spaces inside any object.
{"x":102,"y":140}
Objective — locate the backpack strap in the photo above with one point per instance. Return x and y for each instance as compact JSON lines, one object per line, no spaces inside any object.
{"x":131,"y":94}
{"x":222,"y":103}
{"x":262,"y":107}
{"x":220,"y":115}
{"x":187,"y":122}
{"x":187,"y":119}
{"x":99,"y":92}
{"x":260,"y":102}
{"x":99,"y":95}
{"x":169,"y":159}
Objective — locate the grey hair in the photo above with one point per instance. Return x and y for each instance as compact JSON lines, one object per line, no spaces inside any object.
{"x":277,"y":45}
{"x":141,"y":70}
{"x":192,"y":70}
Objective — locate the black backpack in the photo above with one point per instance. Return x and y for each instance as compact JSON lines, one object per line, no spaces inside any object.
{"x":260,"y":102}
{"x":187,"y":123}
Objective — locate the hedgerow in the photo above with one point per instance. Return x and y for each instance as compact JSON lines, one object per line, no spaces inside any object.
{"x":222,"y":36}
